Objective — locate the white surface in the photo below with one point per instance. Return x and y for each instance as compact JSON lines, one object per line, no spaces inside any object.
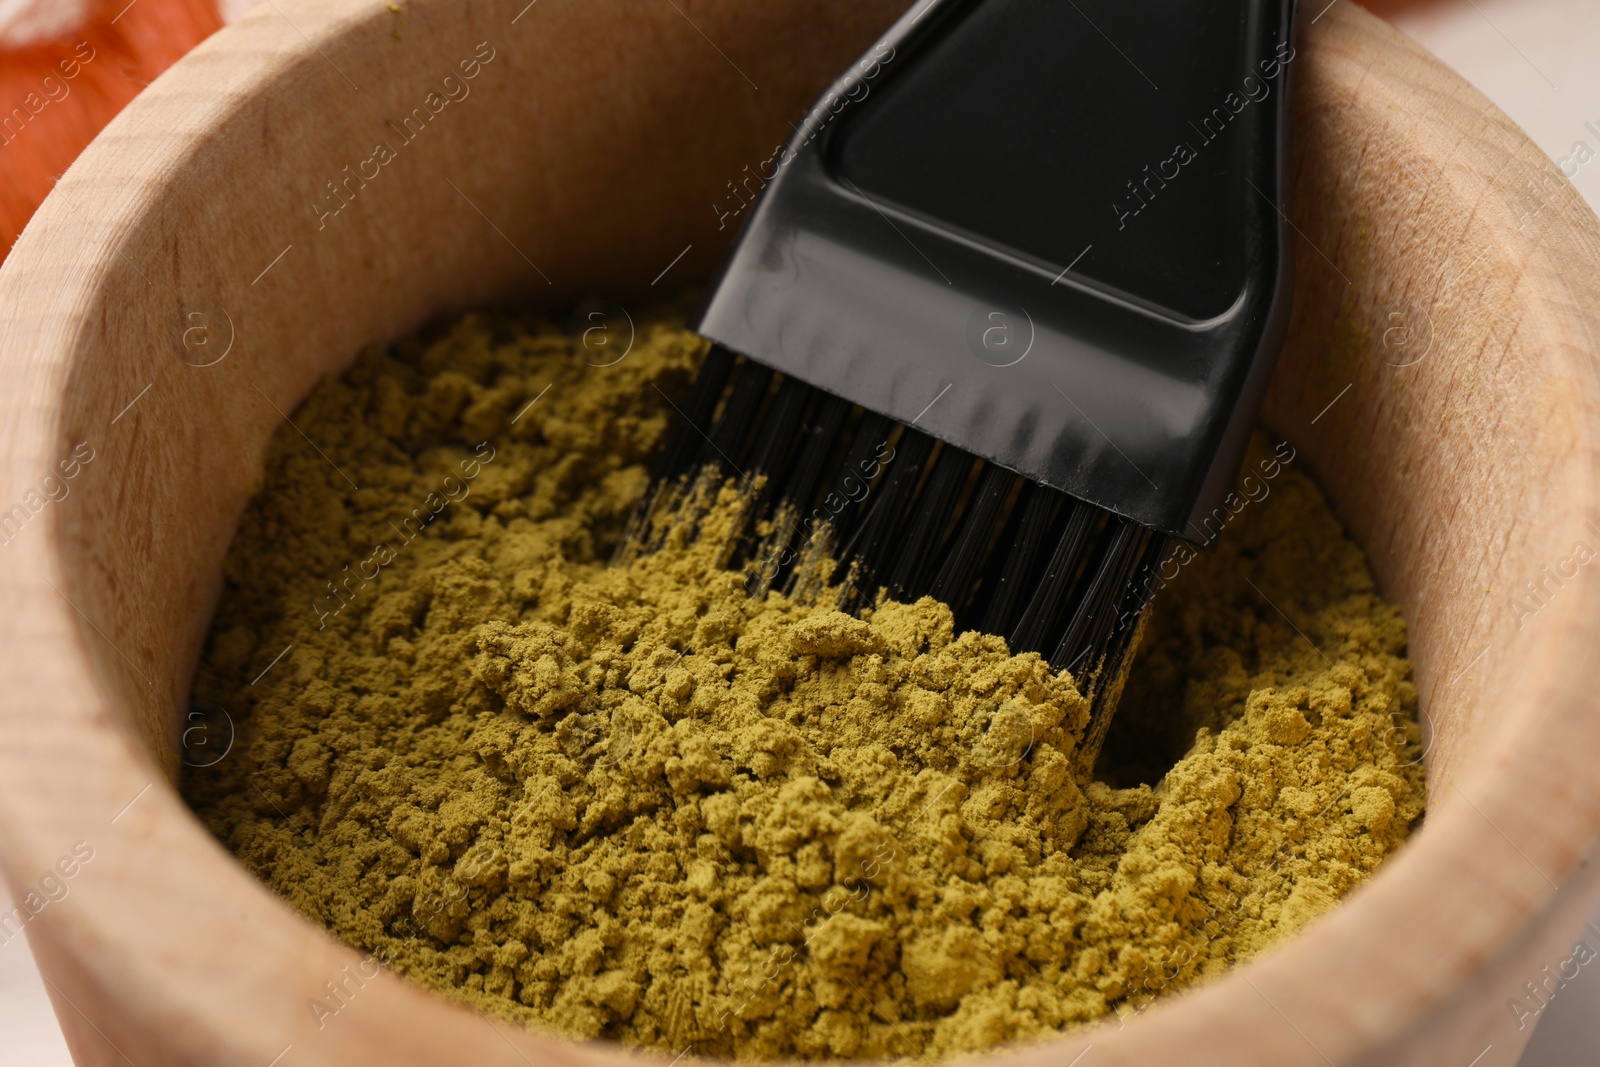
{"x":26,"y":21}
{"x":1540,"y":61}
{"x":234,"y":9}
{"x":28,"y":1032}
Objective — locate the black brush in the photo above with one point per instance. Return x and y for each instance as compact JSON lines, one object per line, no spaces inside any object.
{"x":1004,"y":314}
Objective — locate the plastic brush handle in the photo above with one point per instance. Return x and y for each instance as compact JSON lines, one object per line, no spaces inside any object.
{"x":1052,"y":234}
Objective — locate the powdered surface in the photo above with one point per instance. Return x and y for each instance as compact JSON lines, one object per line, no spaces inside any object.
{"x":634,"y":803}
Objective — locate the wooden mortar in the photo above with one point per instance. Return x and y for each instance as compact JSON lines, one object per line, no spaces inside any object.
{"x":1438,"y":380}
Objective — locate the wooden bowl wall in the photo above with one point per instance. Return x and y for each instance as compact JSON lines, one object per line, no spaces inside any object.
{"x":1439,"y":379}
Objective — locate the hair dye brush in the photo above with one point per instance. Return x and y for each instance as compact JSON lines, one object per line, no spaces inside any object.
{"x":997,"y":328}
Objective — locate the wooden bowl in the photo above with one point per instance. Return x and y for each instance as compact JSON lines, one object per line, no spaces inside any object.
{"x":1437,"y":379}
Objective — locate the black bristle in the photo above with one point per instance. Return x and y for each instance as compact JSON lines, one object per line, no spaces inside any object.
{"x":724,"y":445}
{"x":873,"y":544}
{"x":1051,"y":597}
{"x":864,"y":461}
{"x":694,"y":417}
{"x":778,"y":439}
{"x":1102,"y":631}
{"x":906,"y":516}
{"x":793,"y":496}
{"x":1091,"y":624}
{"x":963,"y":562}
{"x":830,"y":488}
{"x":775,"y":439}
{"x":1146,"y":578}
{"x":1027,"y":535}
{"x":819,"y":440}
{"x":910,"y":572}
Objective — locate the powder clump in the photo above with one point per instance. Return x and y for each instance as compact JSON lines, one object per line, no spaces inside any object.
{"x":633,"y":802}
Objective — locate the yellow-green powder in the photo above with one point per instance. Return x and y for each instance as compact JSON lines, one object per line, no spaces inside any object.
{"x":631,"y":802}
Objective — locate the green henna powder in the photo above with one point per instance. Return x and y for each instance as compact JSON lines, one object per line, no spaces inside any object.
{"x":630,"y":802}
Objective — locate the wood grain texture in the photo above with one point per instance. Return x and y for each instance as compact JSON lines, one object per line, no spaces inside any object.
{"x":586,"y":157}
